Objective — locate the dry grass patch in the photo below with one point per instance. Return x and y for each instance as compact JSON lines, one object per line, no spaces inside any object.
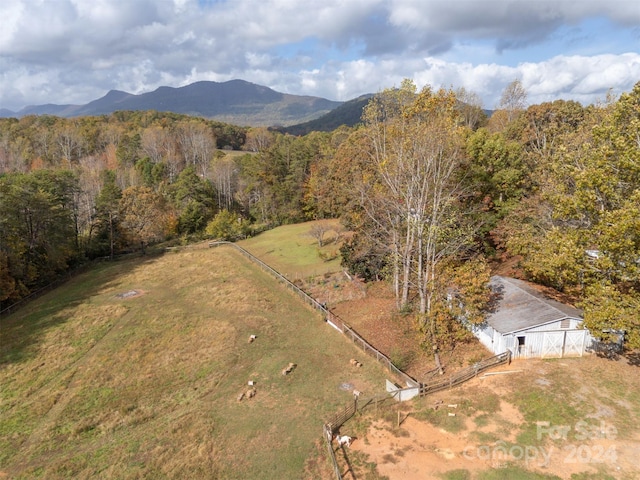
{"x":146,"y":385}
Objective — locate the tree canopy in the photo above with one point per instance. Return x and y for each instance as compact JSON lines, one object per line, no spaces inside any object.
{"x":433,"y":192}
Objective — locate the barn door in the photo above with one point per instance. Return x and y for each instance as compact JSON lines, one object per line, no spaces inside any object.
{"x":552,"y":344}
{"x":574,"y":343}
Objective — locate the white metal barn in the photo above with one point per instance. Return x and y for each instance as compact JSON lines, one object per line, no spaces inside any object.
{"x":530,"y":324}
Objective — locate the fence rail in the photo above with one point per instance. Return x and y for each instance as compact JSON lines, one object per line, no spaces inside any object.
{"x":65,"y":277}
{"x":333,"y":320}
{"x":327,"y":433}
{"x":465,"y":374}
{"x":335,"y":421}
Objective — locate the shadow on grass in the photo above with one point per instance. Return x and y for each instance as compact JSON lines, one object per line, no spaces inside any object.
{"x":20,"y":331}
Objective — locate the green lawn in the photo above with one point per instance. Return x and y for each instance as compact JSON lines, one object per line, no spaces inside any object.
{"x":292,"y":251}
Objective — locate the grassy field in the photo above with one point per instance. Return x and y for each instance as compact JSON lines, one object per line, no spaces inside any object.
{"x":133,"y":370}
{"x":292,"y":251}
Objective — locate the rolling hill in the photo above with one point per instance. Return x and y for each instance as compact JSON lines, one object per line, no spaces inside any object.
{"x":349,"y":113}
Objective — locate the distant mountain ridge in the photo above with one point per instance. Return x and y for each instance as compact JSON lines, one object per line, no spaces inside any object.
{"x":237,"y":101}
{"x":349,"y":113}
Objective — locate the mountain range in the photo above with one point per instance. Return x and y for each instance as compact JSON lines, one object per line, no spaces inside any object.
{"x":237,"y":101}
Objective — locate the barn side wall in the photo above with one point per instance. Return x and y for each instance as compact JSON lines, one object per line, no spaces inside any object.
{"x":487,"y":336}
{"x":548,"y":343}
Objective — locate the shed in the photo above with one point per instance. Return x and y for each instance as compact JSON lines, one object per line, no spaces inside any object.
{"x":531,"y":325}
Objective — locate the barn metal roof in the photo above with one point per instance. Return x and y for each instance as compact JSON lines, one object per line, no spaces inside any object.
{"x":519,"y":306}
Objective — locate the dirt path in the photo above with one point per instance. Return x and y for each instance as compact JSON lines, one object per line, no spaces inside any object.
{"x":421,"y":451}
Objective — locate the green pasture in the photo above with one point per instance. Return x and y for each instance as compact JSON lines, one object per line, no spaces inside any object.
{"x":292,"y":251}
{"x":134,"y":369}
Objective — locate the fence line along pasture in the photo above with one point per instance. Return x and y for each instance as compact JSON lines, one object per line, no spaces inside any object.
{"x":335,"y":421}
{"x":327,"y":433}
{"x":333,"y":320}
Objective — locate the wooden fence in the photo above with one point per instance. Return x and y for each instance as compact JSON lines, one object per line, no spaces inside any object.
{"x":333,"y":320}
{"x":327,"y":433}
{"x":335,"y":421}
{"x":63,"y":278}
{"x":379,"y":356}
{"x":465,"y":374}
{"x":68,"y":275}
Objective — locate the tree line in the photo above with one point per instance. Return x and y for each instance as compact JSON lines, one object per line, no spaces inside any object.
{"x":435,"y":192}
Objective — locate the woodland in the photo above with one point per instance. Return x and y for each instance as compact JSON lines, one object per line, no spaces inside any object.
{"x":435,"y":194}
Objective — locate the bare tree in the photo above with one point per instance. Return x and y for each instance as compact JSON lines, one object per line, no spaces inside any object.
{"x":258,"y":139}
{"x":470,"y":107}
{"x":197,"y":144}
{"x":154,"y":143}
{"x":513,"y":100}
{"x":318,"y":230}
{"x":416,"y":144}
{"x":224,"y":174}
{"x":70,"y":143}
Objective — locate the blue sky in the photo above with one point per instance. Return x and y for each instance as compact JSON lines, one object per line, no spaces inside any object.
{"x":74,"y":51}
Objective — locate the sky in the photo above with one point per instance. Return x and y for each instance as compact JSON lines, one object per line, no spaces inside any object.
{"x":75,"y":51}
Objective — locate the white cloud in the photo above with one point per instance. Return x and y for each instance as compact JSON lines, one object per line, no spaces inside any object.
{"x":73,"y":51}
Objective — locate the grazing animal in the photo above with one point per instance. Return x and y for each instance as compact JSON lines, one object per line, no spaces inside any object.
{"x":343,"y":440}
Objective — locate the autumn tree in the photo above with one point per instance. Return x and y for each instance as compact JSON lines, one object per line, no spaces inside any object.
{"x":258,"y":139}
{"x":224,"y":175}
{"x":416,"y":143}
{"x":227,"y":226}
{"x":470,"y":107}
{"x":9,"y":287}
{"x":197,"y":144}
{"x":580,"y":232}
{"x":69,"y":143}
{"x":194,"y":200}
{"x":318,"y":230}
{"x":273,"y":179}
{"x":497,"y":178}
{"x":145,"y":215}
{"x":459,"y":301}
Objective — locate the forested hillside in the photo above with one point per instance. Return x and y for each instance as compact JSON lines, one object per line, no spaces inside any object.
{"x":434,"y":192}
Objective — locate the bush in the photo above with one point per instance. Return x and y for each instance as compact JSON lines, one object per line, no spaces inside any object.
{"x":401,"y":358}
{"x":227,"y":226}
